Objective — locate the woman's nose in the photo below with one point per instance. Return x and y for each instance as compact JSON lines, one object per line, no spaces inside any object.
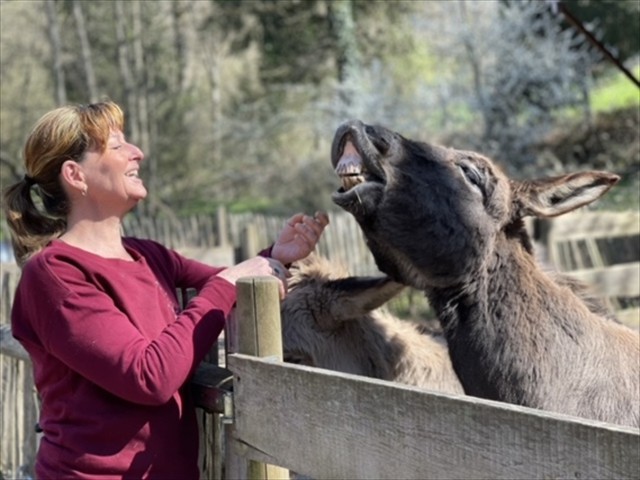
{"x":136,"y":153}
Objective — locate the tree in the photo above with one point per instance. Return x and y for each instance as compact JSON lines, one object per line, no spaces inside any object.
{"x":614,"y":21}
{"x":56,"y":51}
{"x":85,"y":48}
{"x":525,"y":69}
{"x":26,"y":79}
{"x":236,"y":102}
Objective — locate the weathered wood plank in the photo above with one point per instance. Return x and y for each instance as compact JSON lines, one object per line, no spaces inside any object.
{"x":578,"y":225}
{"x":257,"y":317}
{"x":255,"y":330}
{"x":622,"y":280}
{"x":332,"y":425}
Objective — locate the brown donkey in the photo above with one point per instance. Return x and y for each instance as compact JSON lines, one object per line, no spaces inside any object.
{"x":335,"y":321}
{"x":450,"y":222}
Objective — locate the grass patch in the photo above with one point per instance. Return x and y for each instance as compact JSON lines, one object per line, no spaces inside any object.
{"x":615,"y":91}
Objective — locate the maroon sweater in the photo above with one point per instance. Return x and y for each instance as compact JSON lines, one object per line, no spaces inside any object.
{"x":112,"y":354}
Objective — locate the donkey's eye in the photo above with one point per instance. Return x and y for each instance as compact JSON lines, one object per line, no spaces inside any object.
{"x":473,"y":175}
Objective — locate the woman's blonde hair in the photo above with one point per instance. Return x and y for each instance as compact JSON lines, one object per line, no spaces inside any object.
{"x":65,"y":133}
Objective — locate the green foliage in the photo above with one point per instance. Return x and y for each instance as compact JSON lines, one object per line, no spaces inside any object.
{"x":235,"y":103}
{"x":296,"y":47}
{"x":614,"y":22}
{"x":615,"y":91}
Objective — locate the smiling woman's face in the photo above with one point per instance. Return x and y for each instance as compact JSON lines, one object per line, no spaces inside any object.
{"x":112,"y":176}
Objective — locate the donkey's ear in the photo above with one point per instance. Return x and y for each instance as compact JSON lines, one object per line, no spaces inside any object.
{"x":354,"y":297}
{"x":557,"y":195}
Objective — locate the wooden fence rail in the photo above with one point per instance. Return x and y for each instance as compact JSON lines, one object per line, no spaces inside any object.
{"x":333,"y":425}
{"x":603,"y":250}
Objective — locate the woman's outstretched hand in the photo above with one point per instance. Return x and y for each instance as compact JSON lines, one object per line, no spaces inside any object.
{"x":255,"y":267}
{"x":299,"y":237}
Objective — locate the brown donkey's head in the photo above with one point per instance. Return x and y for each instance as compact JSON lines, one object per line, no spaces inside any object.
{"x":432,"y":215}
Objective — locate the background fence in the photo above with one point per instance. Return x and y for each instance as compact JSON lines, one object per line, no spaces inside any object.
{"x":246,"y":234}
{"x":601,"y":248}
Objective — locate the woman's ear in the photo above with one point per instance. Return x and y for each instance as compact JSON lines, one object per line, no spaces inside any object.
{"x":72,"y":175}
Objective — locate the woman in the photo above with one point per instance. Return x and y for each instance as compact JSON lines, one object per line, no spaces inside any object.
{"x":112,"y":353}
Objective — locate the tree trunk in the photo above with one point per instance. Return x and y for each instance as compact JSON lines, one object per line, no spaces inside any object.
{"x":343,"y":27}
{"x":180,"y":45}
{"x":125,"y":69}
{"x":85,"y":49}
{"x":348,"y":54}
{"x":476,"y":69}
{"x":56,"y":52}
{"x":144,"y":139}
{"x":214,"y":46}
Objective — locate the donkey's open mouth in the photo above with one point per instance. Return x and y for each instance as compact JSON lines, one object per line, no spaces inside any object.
{"x":350,"y":168}
{"x":354,"y":155}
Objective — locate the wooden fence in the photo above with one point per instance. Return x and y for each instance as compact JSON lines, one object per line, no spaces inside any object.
{"x":603,"y":250}
{"x":331,"y":425}
{"x":325,"y":424}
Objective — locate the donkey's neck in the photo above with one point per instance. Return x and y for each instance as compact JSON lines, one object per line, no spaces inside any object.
{"x":498,"y":328}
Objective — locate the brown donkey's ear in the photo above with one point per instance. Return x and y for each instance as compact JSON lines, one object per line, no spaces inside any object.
{"x":354,"y":297}
{"x":557,"y":195}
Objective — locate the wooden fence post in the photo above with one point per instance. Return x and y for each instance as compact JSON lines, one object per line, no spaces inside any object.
{"x":221,"y":227}
{"x":256,"y":330}
{"x":249,"y":242}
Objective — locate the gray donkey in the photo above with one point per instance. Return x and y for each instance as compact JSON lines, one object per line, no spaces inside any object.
{"x":450,"y":222}
{"x":335,"y":321}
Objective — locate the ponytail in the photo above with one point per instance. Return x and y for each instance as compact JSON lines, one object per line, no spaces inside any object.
{"x":31,"y":229}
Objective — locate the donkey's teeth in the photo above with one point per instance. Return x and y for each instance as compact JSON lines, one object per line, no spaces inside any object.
{"x":350,"y":181}
{"x":349,"y":165}
{"x":350,"y":162}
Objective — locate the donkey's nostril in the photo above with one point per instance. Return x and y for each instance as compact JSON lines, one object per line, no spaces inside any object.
{"x":381,"y":144}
